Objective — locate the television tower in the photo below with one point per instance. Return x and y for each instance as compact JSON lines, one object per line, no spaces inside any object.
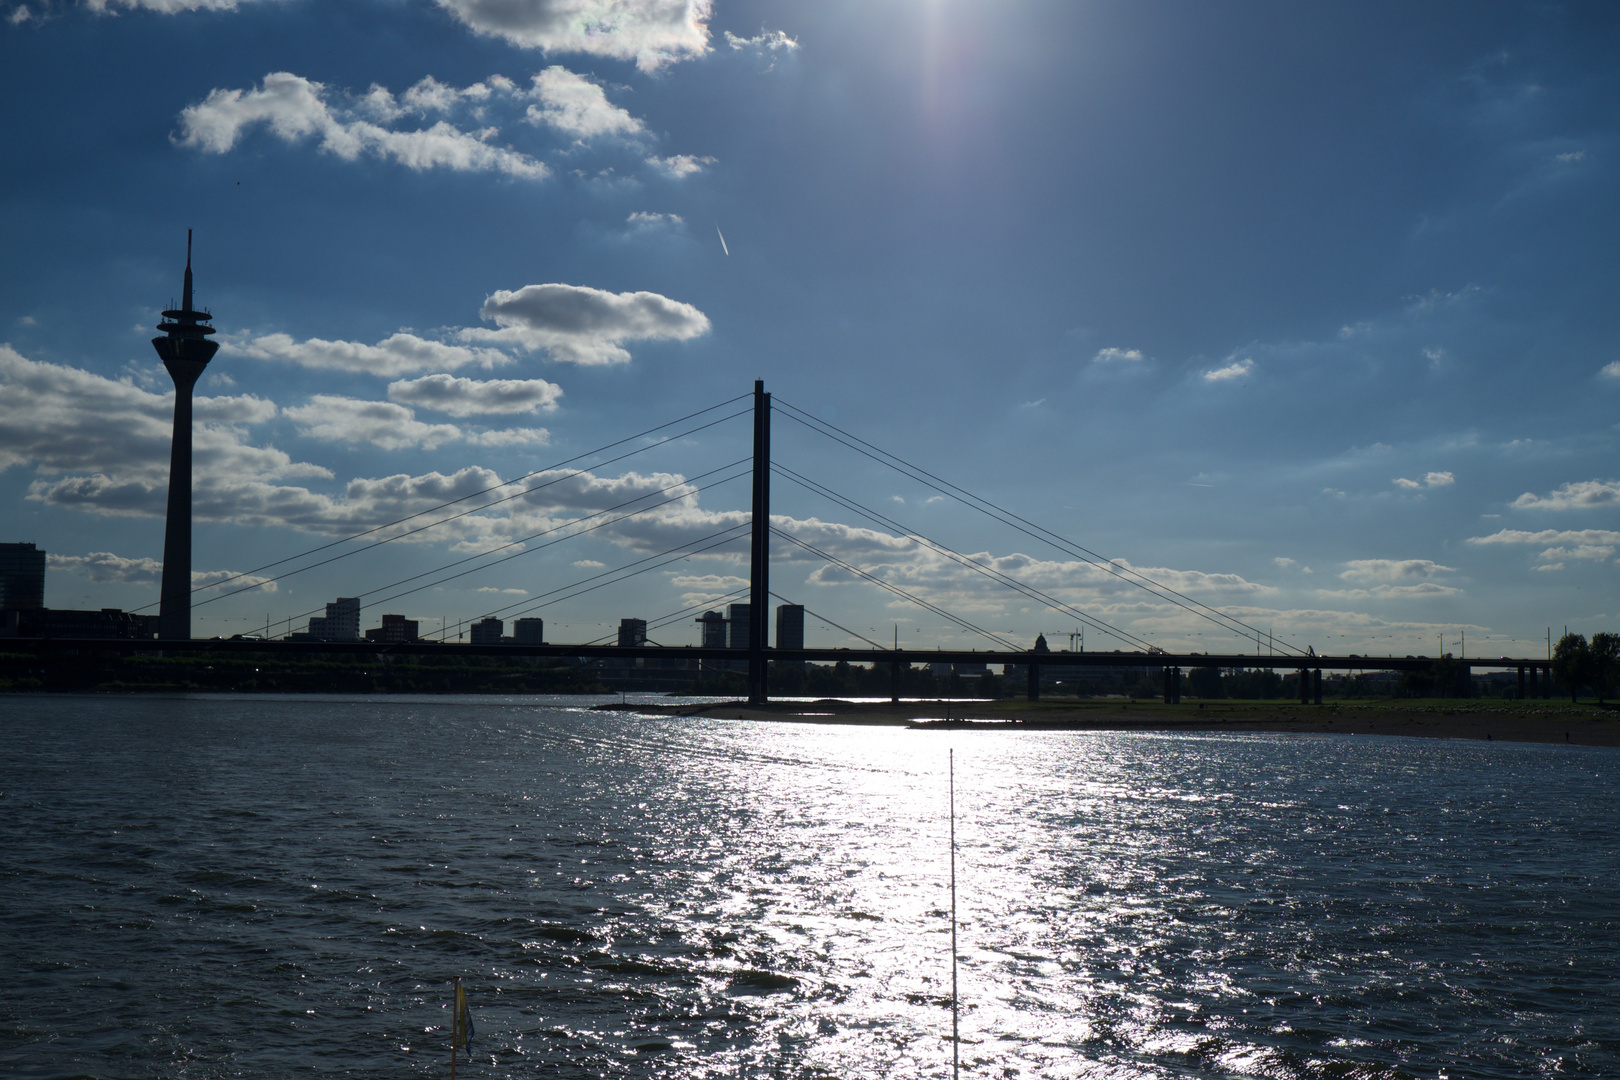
{"x":185,"y":350}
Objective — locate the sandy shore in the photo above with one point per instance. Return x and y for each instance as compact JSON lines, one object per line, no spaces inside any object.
{"x":1584,"y":724}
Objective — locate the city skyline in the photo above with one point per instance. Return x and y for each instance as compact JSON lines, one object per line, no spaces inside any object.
{"x":1307,"y":314}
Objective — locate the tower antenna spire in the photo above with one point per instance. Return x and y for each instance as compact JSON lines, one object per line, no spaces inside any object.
{"x":185,"y":299}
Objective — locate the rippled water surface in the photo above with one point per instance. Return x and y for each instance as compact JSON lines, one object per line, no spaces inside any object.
{"x":272,"y":887}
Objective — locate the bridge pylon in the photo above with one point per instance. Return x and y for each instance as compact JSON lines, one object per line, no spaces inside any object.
{"x":759,"y":583}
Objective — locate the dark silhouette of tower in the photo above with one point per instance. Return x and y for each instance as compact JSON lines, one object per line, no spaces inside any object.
{"x":185,"y":350}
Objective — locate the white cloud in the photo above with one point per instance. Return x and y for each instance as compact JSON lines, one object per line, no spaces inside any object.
{"x":1593,"y":552}
{"x":1283,"y":561}
{"x":399,"y":354}
{"x":380,"y":423}
{"x":103,"y":567}
{"x":530,"y":436}
{"x":1118,"y":356}
{"x":1611,"y":370}
{"x":295,"y":108}
{"x":680,"y":166}
{"x":471,"y":397}
{"x":765,"y":40}
{"x":589,"y":564}
{"x":643,"y":219}
{"x":1579,"y":495}
{"x":572,"y":103}
{"x":1572,"y":157}
{"x":166,"y":7}
{"x":1236,"y":370}
{"x":1582,"y":539}
{"x":1433,"y":480}
{"x":651,"y":32}
{"x":580,"y":325}
{"x":1392,"y":592}
{"x":1393,"y":571}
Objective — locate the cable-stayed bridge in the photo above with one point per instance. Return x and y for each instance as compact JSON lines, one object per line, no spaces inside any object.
{"x":756,"y":530}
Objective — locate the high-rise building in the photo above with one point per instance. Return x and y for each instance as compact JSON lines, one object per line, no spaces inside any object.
{"x":22,"y":577}
{"x":737,"y":620}
{"x":714,"y":629}
{"x":529,"y":631}
{"x":341,"y":622}
{"x":394,"y":628}
{"x":790,"y":630}
{"x":487,"y":631}
{"x":185,"y":350}
{"x":632,"y":632}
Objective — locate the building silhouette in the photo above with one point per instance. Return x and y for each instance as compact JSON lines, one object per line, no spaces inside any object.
{"x":185,"y":350}
{"x":529,"y":631}
{"x":487,"y":631}
{"x":738,"y":618}
{"x":22,"y":577}
{"x":340,"y":623}
{"x":790,"y":630}
{"x":394,"y":628}
{"x":632,"y":632}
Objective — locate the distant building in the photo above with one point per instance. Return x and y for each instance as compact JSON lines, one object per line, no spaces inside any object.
{"x":790,"y":626}
{"x":22,"y":577}
{"x":632,"y":632}
{"x":714,"y":629}
{"x":739,"y":618}
{"x":60,"y":623}
{"x":341,"y":622}
{"x":529,"y":632}
{"x":394,"y":629}
{"x":487,"y":631}
{"x":714,"y":637}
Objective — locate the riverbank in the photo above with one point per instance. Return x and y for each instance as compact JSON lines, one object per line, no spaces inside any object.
{"x":1548,"y":721}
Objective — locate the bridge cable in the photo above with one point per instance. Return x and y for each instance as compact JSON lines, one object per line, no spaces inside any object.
{"x":1023,"y":525}
{"x":880,"y":583}
{"x":441,"y":521}
{"x":678,"y":552}
{"x":832,"y":624}
{"x":968,"y":561}
{"x":544,"y":532}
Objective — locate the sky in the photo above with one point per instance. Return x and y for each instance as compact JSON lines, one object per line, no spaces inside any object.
{"x":1306,"y":312}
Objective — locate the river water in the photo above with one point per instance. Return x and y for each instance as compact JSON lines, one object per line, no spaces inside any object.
{"x":279,"y":887}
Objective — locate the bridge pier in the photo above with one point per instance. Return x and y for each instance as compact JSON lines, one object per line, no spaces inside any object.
{"x":1316,"y":679}
{"x":1304,"y":686}
{"x":1521,"y":682}
{"x":1164,"y":675}
{"x":1535,"y":680}
{"x":1546,"y":681}
{"x":1175,"y":686}
{"x":1032,"y":687}
{"x":894,"y":682}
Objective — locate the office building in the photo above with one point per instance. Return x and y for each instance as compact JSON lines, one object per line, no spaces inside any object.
{"x":529,"y":632}
{"x":738,"y":617}
{"x":487,"y":631}
{"x":394,"y":629}
{"x":22,"y":577}
{"x":632,"y":632}
{"x":790,"y":630}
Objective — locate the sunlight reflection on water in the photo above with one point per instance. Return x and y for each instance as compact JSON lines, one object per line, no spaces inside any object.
{"x":207,"y":888}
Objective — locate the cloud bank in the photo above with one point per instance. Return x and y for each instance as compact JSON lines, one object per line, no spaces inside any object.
{"x":295,"y":108}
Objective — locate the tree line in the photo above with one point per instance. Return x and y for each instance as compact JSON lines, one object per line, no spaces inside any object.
{"x":1590,"y":665}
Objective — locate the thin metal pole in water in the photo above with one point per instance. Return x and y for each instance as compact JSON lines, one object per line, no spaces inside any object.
{"x":956,"y":1042}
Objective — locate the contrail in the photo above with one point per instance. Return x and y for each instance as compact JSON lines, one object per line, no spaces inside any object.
{"x":722,"y":239}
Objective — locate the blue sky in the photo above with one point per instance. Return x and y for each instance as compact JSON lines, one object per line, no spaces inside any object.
{"x":1305,"y":311}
